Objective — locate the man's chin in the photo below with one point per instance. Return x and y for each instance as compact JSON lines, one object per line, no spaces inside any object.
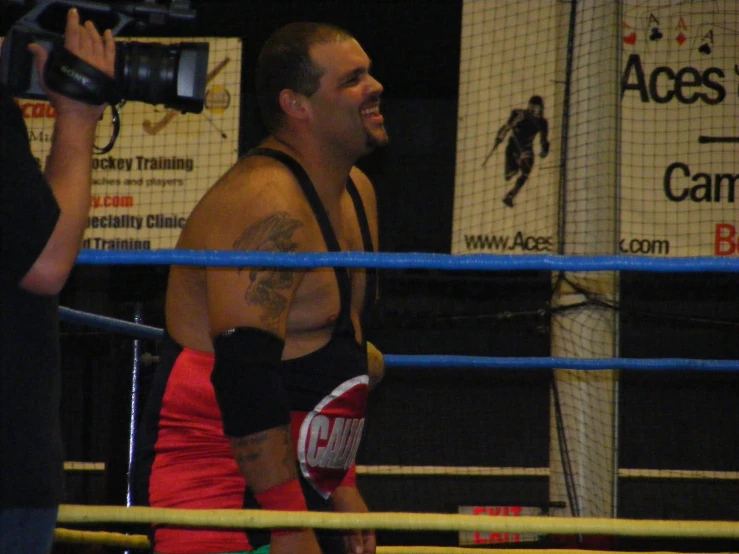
{"x":375,"y":141}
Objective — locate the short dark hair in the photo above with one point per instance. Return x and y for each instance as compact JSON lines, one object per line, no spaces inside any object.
{"x":285,"y":63}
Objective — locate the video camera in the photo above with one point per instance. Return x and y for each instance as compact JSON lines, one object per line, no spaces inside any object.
{"x":154,"y":73}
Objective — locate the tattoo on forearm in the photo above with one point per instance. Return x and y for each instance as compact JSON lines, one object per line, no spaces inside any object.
{"x":273,"y":233}
{"x":250,"y":449}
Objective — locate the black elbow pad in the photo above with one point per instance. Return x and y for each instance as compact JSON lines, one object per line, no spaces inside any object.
{"x":247,"y":381}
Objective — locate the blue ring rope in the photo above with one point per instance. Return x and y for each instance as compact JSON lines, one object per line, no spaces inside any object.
{"x":136,"y":330}
{"x":415,"y":260}
{"x":438,"y":361}
{"x":412,"y":260}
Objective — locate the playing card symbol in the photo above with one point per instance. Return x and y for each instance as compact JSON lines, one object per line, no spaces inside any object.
{"x":656,"y":34}
{"x":705,"y":48}
{"x":680,"y":39}
{"x":630,"y":39}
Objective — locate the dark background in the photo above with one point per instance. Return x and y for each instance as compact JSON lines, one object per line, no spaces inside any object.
{"x":422,"y":416}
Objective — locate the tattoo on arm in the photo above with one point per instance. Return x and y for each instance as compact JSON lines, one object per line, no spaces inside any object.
{"x":249,"y":449}
{"x":273,"y":233}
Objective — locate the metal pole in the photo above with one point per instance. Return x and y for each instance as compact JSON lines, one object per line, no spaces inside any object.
{"x":135,"y":368}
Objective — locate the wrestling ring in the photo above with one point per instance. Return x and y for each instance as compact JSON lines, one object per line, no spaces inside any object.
{"x":91,"y":516}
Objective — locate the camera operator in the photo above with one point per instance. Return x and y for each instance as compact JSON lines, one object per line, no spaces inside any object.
{"x":42,"y":219}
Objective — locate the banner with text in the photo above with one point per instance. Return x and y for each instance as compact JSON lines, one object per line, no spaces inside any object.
{"x":679,"y":128}
{"x":507,"y":162}
{"x":163,"y":161}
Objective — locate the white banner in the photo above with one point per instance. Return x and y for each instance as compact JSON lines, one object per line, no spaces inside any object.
{"x":505,"y":196}
{"x":679,"y":128}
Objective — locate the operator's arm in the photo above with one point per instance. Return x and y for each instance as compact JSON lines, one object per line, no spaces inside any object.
{"x":247,"y":313}
{"x":69,"y":166}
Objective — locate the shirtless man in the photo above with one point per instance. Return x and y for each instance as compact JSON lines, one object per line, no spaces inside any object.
{"x":260,"y":397}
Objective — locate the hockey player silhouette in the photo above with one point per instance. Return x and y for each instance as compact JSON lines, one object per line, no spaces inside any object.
{"x":523,"y":124}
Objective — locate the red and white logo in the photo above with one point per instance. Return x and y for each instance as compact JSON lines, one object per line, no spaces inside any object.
{"x":329,"y":435}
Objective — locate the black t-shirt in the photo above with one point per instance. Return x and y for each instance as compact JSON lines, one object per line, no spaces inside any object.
{"x":31,"y":462}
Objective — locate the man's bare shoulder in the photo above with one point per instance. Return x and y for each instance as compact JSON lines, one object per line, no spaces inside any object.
{"x":254,"y":188}
{"x":250,"y":177}
{"x":253,"y":185}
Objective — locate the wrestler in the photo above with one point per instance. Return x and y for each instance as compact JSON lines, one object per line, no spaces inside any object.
{"x":260,"y":397}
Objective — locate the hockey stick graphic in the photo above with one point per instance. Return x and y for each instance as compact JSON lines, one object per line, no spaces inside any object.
{"x":703,"y":139}
{"x":154,"y":128}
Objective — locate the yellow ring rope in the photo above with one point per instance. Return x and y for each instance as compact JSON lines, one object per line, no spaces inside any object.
{"x":70,"y":536}
{"x":482,"y":471}
{"x":261,"y":519}
{"x":142,"y":542}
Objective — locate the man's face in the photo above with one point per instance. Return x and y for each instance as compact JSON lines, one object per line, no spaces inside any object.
{"x":346,"y":107}
{"x":535,"y":109}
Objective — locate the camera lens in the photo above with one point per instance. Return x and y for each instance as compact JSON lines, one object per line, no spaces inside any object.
{"x":169,"y":74}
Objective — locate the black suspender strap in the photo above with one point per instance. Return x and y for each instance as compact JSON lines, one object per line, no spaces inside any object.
{"x":370,"y":290}
{"x":344,"y":322}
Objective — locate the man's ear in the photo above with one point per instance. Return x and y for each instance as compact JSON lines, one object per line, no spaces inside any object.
{"x":292,"y":103}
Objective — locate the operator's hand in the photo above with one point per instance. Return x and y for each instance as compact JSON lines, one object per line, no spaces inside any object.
{"x":544,"y":150}
{"x":85,"y":42}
